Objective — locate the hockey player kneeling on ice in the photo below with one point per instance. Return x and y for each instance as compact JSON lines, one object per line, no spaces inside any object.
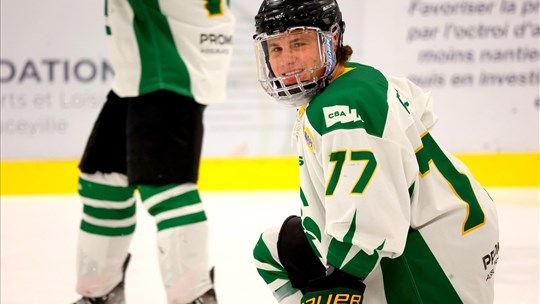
{"x":387,"y":215}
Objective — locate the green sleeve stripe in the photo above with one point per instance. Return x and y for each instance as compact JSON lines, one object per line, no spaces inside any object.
{"x":337,"y":251}
{"x":102,"y":192}
{"x":411,"y":190}
{"x":182,"y":220}
{"x":270,"y":276}
{"x":186,"y":199}
{"x":262,"y":254}
{"x":311,"y":226}
{"x":109,"y":214}
{"x":107,"y":231}
{"x":303,"y":198}
{"x":361,"y":264}
{"x":284,"y":291}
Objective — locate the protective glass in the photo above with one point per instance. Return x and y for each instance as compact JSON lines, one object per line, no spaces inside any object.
{"x":292,"y":64}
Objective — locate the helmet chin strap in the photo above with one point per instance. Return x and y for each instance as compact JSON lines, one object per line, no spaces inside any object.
{"x":331,"y":57}
{"x":331,"y":61}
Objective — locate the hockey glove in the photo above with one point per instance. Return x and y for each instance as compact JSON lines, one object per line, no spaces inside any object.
{"x":337,"y":287}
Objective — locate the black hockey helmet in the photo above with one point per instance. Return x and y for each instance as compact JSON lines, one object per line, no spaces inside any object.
{"x":276,"y":16}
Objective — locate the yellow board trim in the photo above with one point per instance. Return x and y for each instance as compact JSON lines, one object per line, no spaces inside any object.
{"x":280,"y":173}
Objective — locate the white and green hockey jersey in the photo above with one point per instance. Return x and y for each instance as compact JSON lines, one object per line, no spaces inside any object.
{"x":184,"y":46}
{"x":383,"y":201}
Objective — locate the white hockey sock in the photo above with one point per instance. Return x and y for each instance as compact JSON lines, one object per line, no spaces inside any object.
{"x":107,"y":227}
{"x":182,"y":239}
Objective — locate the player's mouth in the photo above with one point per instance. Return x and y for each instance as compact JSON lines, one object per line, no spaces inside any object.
{"x":290,"y":77}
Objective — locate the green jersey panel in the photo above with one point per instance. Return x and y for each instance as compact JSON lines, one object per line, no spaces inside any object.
{"x":161,"y":65}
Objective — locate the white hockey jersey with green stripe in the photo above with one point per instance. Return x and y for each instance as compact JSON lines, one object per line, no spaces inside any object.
{"x":183,"y":46}
{"x":383,"y":201}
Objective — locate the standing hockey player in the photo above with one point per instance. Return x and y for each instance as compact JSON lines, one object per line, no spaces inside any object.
{"x":171,"y":59}
{"x":387,"y":215}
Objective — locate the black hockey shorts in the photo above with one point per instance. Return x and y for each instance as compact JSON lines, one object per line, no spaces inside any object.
{"x":155,"y":139}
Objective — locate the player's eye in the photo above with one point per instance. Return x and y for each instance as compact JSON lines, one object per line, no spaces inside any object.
{"x":298,"y":44}
{"x":275,"y":49}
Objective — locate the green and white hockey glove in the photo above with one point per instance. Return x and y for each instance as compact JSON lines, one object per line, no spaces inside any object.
{"x":337,"y":287}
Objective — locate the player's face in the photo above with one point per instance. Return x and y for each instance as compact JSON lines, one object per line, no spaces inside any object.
{"x":293,"y":53}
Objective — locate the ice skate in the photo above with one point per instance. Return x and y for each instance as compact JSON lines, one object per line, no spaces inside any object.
{"x":208,"y":298}
{"x":115,"y":296}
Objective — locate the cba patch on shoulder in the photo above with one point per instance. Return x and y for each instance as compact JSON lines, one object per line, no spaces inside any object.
{"x":341,"y":114}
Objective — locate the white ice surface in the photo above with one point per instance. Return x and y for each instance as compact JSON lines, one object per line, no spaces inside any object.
{"x":39,"y":237}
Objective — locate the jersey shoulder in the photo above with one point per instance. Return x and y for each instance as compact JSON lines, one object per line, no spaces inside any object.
{"x":356,"y":99}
